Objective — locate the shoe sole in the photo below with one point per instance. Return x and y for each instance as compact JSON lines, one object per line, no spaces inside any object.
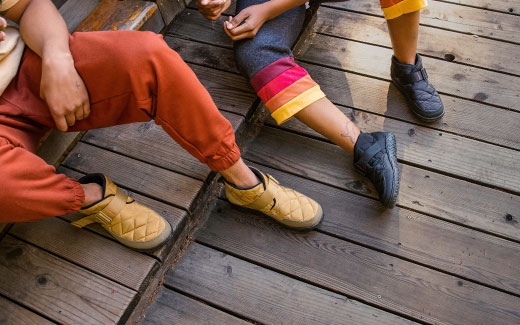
{"x":131,"y":245}
{"x":391,"y":145}
{"x":319,"y":212}
{"x":426,"y":119}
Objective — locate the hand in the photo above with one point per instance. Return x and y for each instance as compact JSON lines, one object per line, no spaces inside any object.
{"x":253,"y":18}
{"x":212,"y":9}
{"x":64,"y":91}
{"x":3,"y":25}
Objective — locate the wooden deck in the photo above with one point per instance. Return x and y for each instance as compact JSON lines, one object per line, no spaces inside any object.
{"x":449,"y":253}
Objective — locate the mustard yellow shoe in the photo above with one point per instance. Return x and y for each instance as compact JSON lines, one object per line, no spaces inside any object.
{"x":129,"y":222}
{"x":283,"y":204}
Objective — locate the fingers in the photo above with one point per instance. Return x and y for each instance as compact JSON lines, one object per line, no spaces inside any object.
{"x":78,"y":113}
{"x":70,"y":118}
{"x":243,"y":31}
{"x":237,"y":20}
{"x":61,"y":123}
{"x":86,"y":109}
{"x":3,"y":25}
{"x":209,"y":4}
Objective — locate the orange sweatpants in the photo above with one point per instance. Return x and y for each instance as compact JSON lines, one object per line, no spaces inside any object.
{"x":130,"y":77}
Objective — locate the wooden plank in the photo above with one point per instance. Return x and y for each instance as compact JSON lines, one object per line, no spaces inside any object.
{"x":464,"y":48}
{"x":424,"y":191}
{"x":193,"y":26}
{"x":97,"y":254}
{"x":118,"y":15}
{"x":170,"y":9}
{"x":446,"y":153}
{"x":156,"y":182}
{"x":138,"y":140}
{"x":57,"y":145}
{"x":74,"y":11}
{"x":12,"y":314}
{"x":380,"y":280}
{"x":57,"y":289}
{"x":450,"y":78}
{"x":170,"y":307}
{"x":509,"y":6}
{"x":266,"y":296}
{"x":464,"y":117}
{"x":474,"y":21}
{"x":444,"y":246}
{"x":204,"y":54}
{"x":176,"y":217}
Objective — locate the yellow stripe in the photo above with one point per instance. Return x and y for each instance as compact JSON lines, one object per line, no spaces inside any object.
{"x":7,"y":4}
{"x":298,"y":103}
{"x":404,"y":7}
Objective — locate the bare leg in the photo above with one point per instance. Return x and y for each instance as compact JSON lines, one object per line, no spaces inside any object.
{"x":240,"y":175}
{"x":325,"y":118}
{"x":93,"y":193}
{"x":404,"y":31}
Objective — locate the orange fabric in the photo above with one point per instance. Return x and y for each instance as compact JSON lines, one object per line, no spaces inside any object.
{"x":388,"y":3}
{"x":290,"y":93}
{"x":131,"y":77}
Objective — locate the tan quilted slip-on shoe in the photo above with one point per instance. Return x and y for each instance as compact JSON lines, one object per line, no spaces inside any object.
{"x":129,"y":222}
{"x":283,"y":204}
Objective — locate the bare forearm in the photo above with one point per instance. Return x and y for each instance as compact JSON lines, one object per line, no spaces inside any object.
{"x":44,"y":30}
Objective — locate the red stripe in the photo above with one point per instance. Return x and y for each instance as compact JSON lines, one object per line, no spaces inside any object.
{"x":281,"y":82}
{"x":271,"y":71}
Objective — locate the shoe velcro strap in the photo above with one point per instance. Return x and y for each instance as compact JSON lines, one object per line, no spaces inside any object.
{"x":414,"y":77}
{"x":367,"y":155}
{"x":84,"y":221}
{"x":115,"y":206}
{"x":267,"y":197}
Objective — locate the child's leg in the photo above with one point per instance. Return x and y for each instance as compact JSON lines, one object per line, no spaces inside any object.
{"x":407,"y":71}
{"x":404,"y":31}
{"x":287,"y":90}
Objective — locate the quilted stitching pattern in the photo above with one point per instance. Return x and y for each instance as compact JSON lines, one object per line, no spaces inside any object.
{"x":290,"y":205}
{"x":135,"y":222}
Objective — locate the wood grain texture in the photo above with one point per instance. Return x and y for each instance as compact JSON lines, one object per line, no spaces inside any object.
{"x":58,"y":289}
{"x":476,"y":51}
{"x":118,"y":15}
{"x":12,"y":314}
{"x":169,"y":9}
{"x":83,"y":248}
{"x":155,"y":182}
{"x":170,"y":307}
{"x":266,"y":296}
{"x":421,"y":190}
{"x":447,"y":77}
{"x":175,"y":216}
{"x":375,"y":278}
{"x":443,"y":152}
{"x":462,"y":19}
{"x":440,"y":245}
{"x":75,"y":11}
{"x":509,"y":6}
{"x":464,"y":117}
{"x":138,"y":140}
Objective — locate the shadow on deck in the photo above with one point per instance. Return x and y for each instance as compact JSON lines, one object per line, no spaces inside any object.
{"x":448,"y":253}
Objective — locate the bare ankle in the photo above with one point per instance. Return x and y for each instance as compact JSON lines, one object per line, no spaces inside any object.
{"x":93,"y":193}
{"x":240,"y":175}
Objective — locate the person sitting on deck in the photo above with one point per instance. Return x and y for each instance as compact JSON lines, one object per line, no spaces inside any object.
{"x":264,"y":32}
{"x":99,"y":79}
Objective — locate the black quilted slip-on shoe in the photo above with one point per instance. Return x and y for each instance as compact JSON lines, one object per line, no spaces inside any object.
{"x":412,"y":82}
{"x":375,"y":157}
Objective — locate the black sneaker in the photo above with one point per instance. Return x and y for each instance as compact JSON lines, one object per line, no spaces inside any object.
{"x":412,"y":82}
{"x":375,"y":157}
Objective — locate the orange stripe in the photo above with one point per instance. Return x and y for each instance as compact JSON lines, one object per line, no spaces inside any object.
{"x":290,"y":92}
{"x":389,"y":3}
